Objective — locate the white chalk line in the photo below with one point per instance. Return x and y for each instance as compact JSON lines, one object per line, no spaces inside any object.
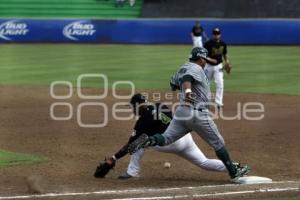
{"x":143,"y":190}
{"x":211,"y":195}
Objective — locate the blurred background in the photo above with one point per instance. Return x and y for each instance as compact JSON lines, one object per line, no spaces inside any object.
{"x":148,"y":22}
{"x":262,"y":36}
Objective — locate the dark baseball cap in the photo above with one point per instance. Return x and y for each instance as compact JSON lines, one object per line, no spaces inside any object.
{"x":216,"y":31}
{"x":138,"y":99}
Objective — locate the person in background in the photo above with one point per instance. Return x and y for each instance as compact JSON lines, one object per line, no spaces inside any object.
{"x":198,"y":34}
{"x":217,"y":50}
{"x":131,"y":2}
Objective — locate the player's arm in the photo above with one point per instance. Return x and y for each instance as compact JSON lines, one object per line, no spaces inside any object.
{"x":206,"y":46}
{"x":206,"y":38}
{"x":192,"y":36}
{"x":124,"y":150}
{"x":211,"y":60}
{"x":121,"y":153}
{"x":192,"y":33}
{"x":225,"y":54}
{"x":204,"y":35}
{"x":187,"y":87}
{"x":174,"y":86}
{"x":227,"y":65}
{"x":109,"y":163}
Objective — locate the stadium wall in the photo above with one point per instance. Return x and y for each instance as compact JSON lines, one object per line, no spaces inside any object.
{"x":150,"y":31}
{"x":221,"y":9}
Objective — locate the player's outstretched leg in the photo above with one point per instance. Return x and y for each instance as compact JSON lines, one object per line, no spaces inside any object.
{"x":191,"y":152}
{"x":174,"y":132}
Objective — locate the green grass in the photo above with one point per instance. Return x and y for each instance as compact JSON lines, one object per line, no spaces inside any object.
{"x":68,"y":9}
{"x":261,"y":69}
{"x":9,"y":159}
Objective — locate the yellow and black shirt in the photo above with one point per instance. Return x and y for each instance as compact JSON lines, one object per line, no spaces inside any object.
{"x":216,"y":50}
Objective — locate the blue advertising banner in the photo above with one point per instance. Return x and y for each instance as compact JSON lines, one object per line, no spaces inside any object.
{"x":147,"y":31}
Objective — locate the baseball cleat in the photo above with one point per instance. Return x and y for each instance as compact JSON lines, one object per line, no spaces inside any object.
{"x":236,"y":165}
{"x":240,"y":172}
{"x":125,"y":176}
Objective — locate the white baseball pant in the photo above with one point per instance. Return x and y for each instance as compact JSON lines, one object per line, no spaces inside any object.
{"x":184,"y":147}
{"x":197,"y":41}
{"x":215,"y":72}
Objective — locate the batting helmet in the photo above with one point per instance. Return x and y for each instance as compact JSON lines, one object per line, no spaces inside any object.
{"x":198,"y":52}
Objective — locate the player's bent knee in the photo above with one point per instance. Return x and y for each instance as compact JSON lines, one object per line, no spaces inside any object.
{"x":167,"y":139}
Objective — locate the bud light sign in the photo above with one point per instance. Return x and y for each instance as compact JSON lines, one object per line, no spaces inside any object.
{"x":76,"y":30}
{"x":10,"y":29}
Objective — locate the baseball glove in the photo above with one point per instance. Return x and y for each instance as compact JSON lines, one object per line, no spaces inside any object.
{"x":104,"y":168}
{"x":227,"y":68}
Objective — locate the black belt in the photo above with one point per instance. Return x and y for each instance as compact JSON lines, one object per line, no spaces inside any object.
{"x":199,"y":109}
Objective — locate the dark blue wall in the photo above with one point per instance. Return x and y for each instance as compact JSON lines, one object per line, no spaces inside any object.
{"x":158,"y":31}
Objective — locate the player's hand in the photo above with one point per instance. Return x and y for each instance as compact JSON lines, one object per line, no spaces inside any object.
{"x":227,"y":67}
{"x":189,"y":97}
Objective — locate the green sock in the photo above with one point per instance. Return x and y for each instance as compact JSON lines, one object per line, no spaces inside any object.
{"x":223,"y":155}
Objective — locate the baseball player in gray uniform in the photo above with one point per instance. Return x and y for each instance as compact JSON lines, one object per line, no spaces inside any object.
{"x":193,"y":114}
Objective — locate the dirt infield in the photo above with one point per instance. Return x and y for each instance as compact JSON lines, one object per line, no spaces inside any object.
{"x":271,"y":146}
